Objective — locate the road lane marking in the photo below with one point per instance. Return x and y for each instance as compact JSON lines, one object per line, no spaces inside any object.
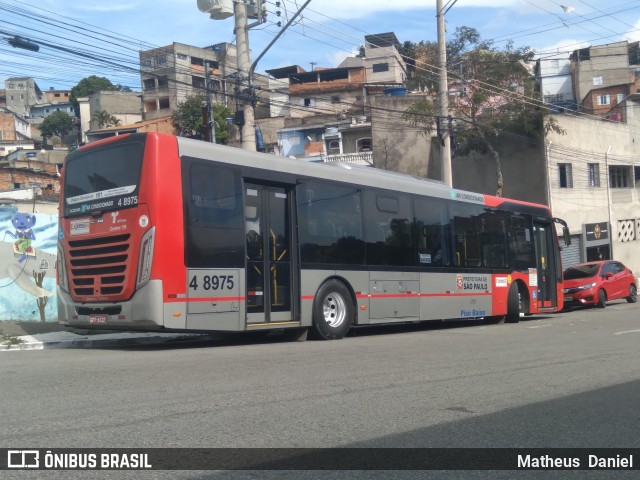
{"x":628,"y":331}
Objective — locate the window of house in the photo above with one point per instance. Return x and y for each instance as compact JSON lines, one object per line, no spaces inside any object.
{"x":181,"y":56}
{"x":604,"y":99}
{"x":597,"y":80}
{"x":594,"y":174}
{"x":161,"y":60}
{"x":146,"y":62}
{"x":163,"y":103}
{"x":333,"y":147}
{"x":380,"y":67}
{"x":197,"y":82}
{"x":636,"y":175}
{"x":335,"y":99}
{"x":620,"y":97}
{"x":163,"y":82}
{"x":149,"y":84}
{"x":565,"y":175}
{"x":197,"y":61}
{"x":363,"y":145}
{"x":308,"y":102}
{"x":619,"y":177}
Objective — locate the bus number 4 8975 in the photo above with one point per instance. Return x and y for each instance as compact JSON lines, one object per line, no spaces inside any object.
{"x":213,"y":282}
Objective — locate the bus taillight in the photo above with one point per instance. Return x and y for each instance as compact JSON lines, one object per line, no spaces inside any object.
{"x":63,"y":281}
{"x":146,"y":258}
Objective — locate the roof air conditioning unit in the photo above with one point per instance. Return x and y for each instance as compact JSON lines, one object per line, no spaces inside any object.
{"x":218,"y":9}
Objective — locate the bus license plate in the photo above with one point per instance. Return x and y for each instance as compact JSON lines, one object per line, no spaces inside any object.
{"x":98,"y":318}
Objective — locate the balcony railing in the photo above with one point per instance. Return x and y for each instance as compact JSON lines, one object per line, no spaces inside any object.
{"x":362,"y":158}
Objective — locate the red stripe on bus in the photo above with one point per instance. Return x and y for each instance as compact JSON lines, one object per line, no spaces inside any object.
{"x":412,"y":295}
{"x":210,"y":299}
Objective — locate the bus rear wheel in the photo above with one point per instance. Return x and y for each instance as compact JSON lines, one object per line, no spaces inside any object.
{"x":333,"y":311}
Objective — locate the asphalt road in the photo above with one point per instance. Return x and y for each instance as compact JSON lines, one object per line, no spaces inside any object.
{"x":566,"y":380}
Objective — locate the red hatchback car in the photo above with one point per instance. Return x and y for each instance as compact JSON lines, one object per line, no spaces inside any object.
{"x":595,"y":283}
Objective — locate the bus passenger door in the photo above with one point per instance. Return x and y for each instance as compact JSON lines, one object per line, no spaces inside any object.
{"x":269,"y":268}
{"x":544,"y":236}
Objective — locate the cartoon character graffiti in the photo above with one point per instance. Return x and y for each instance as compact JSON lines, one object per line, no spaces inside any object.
{"x":23,"y":223}
{"x":31,"y":262}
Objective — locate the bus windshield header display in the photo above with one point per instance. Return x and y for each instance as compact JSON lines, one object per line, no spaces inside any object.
{"x":102,"y":179}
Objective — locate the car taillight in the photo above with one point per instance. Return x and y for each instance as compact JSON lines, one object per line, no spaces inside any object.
{"x":145,"y":259}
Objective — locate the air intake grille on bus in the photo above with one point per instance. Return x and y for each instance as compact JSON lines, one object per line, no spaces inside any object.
{"x":99,"y":265}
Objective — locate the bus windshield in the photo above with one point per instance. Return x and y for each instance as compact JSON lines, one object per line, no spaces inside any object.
{"x":103,"y":178}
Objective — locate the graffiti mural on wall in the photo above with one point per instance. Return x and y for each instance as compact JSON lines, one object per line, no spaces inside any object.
{"x":27,"y":265}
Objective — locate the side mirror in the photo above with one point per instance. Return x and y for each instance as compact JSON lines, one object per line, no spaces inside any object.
{"x":608,"y":275}
{"x":566,"y":236}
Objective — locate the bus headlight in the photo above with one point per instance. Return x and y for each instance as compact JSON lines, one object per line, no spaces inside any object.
{"x":145,"y":258}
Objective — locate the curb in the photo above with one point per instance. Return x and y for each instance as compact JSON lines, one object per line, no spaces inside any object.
{"x":118,"y":340}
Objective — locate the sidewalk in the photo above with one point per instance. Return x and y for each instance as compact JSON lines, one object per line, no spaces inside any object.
{"x":20,"y":336}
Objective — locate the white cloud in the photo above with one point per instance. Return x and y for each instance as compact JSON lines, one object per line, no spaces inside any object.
{"x":634,"y":33}
{"x":347,"y":9}
{"x":104,"y":7}
{"x":562,"y":47}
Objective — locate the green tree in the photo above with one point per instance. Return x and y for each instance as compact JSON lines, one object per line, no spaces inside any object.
{"x":220,"y":115}
{"x":189,"y":122}
{"x":422,"y":57}
{"x":495,"y":94}
{"x":104,"y":119}
{"x":57,"y":124}
{"x":88,"y":86}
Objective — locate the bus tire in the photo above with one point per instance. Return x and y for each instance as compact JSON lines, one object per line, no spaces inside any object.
{"x":333,"y":311}
{"x":513,"y":304}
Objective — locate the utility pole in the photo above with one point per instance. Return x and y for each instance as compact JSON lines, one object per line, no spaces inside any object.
{"x":211,"y":122}
{"x":443,"y":99}
{"x":247,"y":130}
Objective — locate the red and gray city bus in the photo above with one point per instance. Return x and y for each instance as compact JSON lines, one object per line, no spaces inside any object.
{"x":159,"y":232}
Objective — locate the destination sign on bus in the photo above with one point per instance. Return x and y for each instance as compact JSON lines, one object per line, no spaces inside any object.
{"x":112,"y":192}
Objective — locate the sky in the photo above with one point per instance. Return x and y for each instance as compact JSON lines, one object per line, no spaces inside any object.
{"x":99,"y":37}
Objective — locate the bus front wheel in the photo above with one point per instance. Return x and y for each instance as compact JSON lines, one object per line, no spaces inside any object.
{"x":514,"y":304}
{"x":333,"y":311}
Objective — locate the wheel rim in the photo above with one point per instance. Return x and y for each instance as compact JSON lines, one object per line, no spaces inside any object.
{"x":334,"y":310}
{"x":633,"y":293}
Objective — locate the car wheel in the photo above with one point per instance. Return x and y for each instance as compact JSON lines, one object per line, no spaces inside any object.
{"x":333,"y":311}
{"x":602,"y":299}
{"x":514,"y":304}
{"x":633,"y":294}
